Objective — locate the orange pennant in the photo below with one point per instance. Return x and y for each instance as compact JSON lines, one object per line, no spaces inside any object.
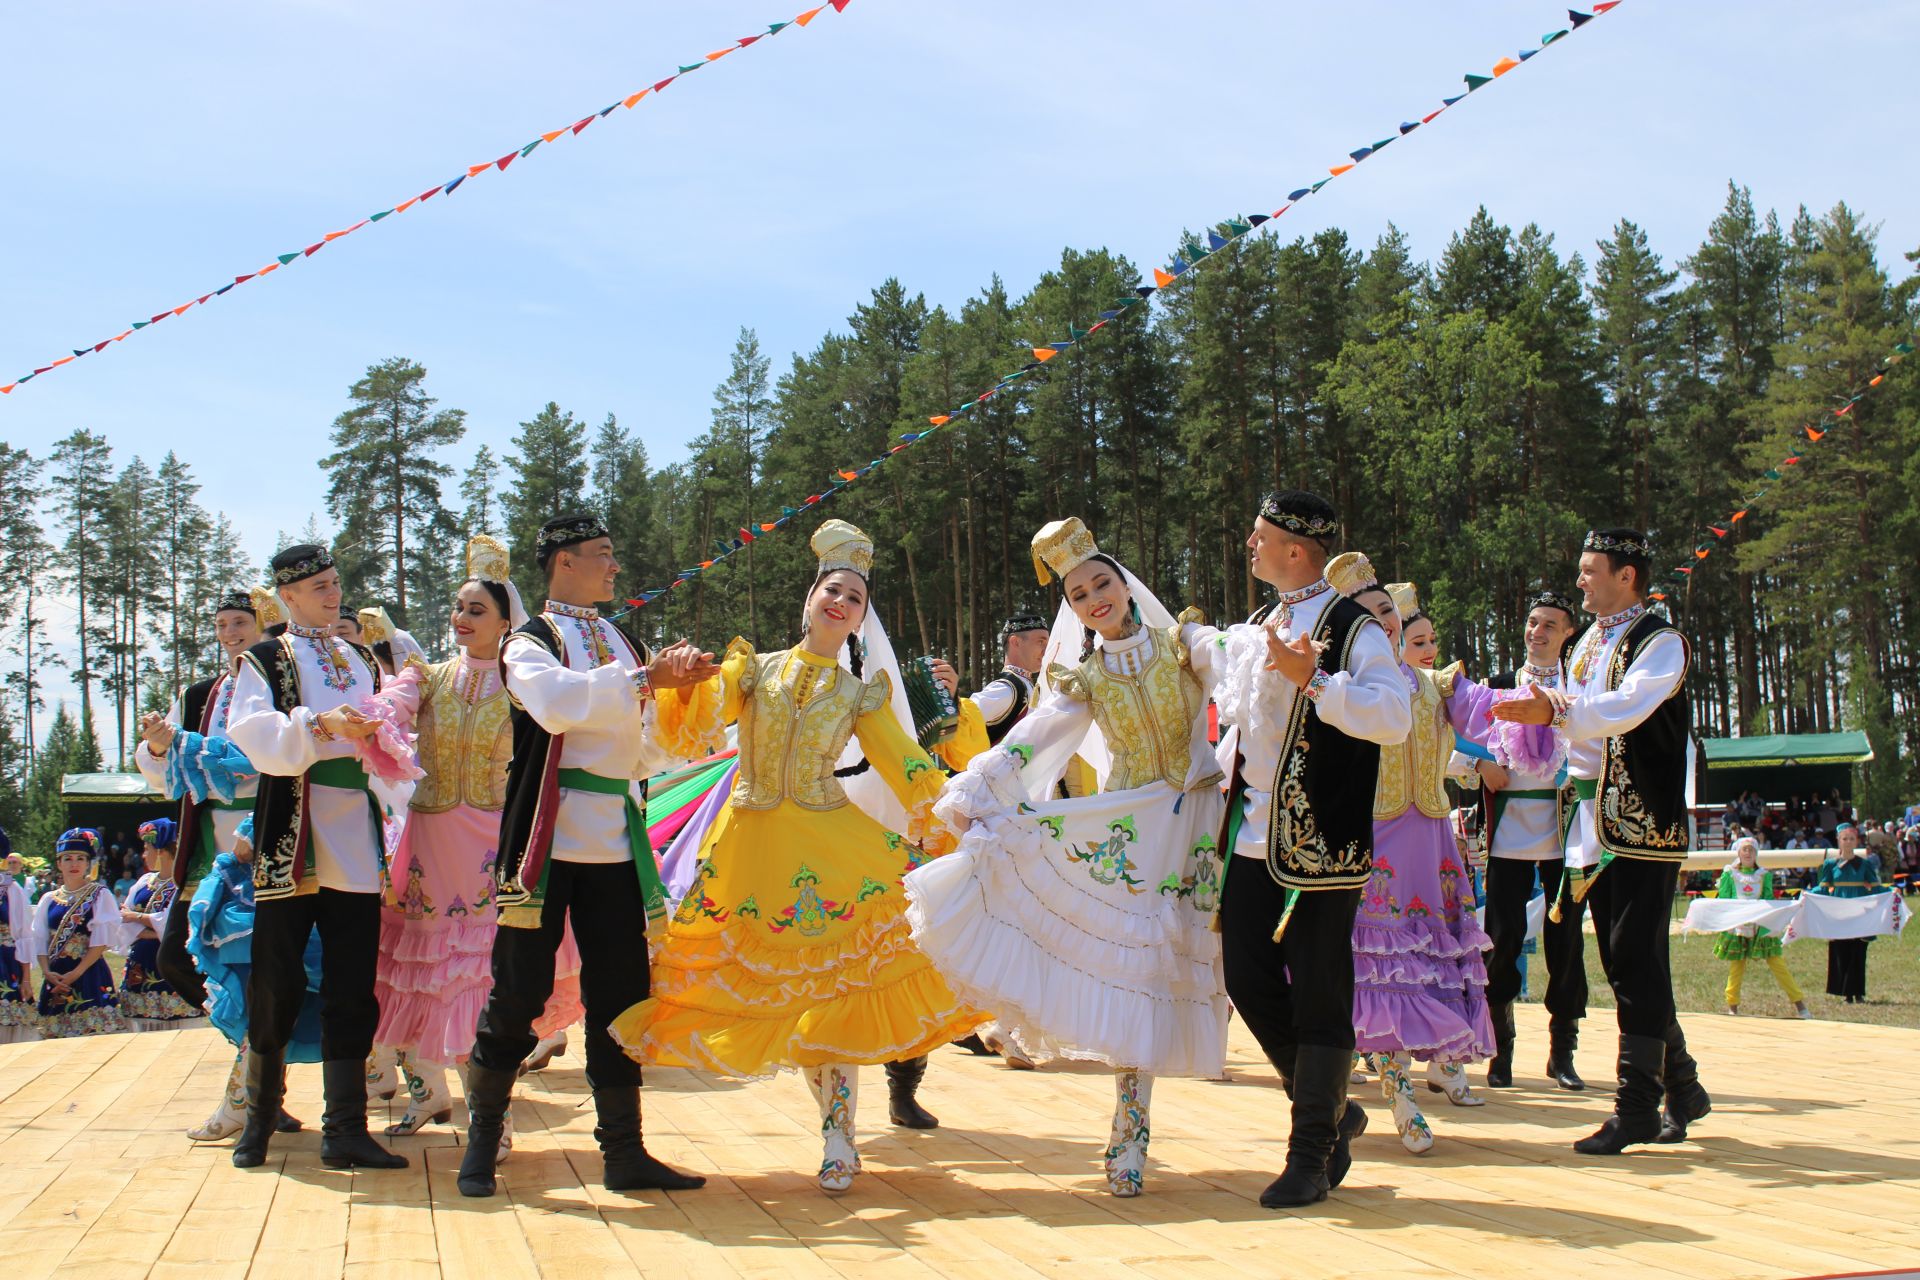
{"x":808,"y":16}
{"x":1044,"y":354}
{"x":268,"y":269}
{"x":769,"y":528}
{"x":1505,"y":65}
{"x":1162,"y":279}
{"x":849,"y":475}
{"x":118,"y":336}
{"x":716,"y":56}
{"x":9,"y":387}
{"x":69,"y":359}
{"x":475,"y":168}
{"x":405,"y":205}
{"x":1815,"y":436}
{"x":549,"y":137}
{"x":940,"y":421}
{"x":633,"y":98}
{"x":1339,"y":169}
{"x":706,"y":564}
{"x":182,"y":307}
{"x":1701,"y":555}
{"x":1739,"y":515}
{"x":1877,"y":379}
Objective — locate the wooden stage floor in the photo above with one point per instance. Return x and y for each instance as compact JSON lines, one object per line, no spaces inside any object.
{"x":1810,"y":1165}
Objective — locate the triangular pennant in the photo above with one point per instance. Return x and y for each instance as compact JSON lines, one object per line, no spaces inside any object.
{"x":1316,"y":186}
{"x":1108,"y":315}
{"x":773,"y":29}
{"x":1383,"y":142}
{"x":285,"y":258}
{"x":1703,"y":551}
{"x":839,"y":6}
{"x":1605,"y":5}
{"x":216,"y":293}
{"x":660,"y":85}
{"x":549,"y":137}
{"x":1789,"y":462}
{"x":770,"y":527}
{"x":1077,"y":334}
{"x":271,"y":267}
{"x":1408,"y":126}
{"x":243,"y":279}
{"x":1145,"y":291}
{"x":1215,"y":240}
{"x":1816,"y":436}
{"x":405,"y":205}
{"x":1336,"y":171}
{"x":631,"y":99}
{"x":313,"y":248}
{"x":744,"y":41}
{"x":580,"y":124}
{"x":506,"y":160}
{"x":1877,"y":379}
{"x":943,"y":419}
{"x":1178,"y":266}
{"x":808,"y":16}
{"x":1359,"y":155}
{"x":1551,"y":36}
{"x":1578,"y":19}
{"x":1255,"y":219}
{"x":1445,"y":103}
{"x":690,"y":67}
{"x":449,"y":188}
{"x":1771,"y":474}
{"x":1300,"y":194}
{"x":1042,"y":354}
{"x":375,"y":217}
{"x":1718,"y":532}
{"x":1737,"y":516}
{"x":718,"y":54}
{"x":1060,"y":346}
{"x":1474,"y":82}
{"x":1524,"y":54}
{"x":476,"y":168}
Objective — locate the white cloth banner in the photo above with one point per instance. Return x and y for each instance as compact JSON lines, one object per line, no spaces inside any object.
{"x":1823,"y":916}
{"x":1769,"y":917}
{"x":1536,"y":915}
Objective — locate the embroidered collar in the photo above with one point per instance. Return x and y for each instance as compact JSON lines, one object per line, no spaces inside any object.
{"x":1290,"y":598}
{"x":308,"y":633}
{"x":571,"y":610}
{"x":1543,"y":673}
{"x":1023,"y":673}
{"x":1608,"y":623}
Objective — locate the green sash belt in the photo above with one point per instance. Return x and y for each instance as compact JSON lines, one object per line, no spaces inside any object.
{"x":1575,"y":881}
{"x":651,"y":890}
{"x":345,"y":773}
{"x":209,"y":843}
{"x":1586,"y":788}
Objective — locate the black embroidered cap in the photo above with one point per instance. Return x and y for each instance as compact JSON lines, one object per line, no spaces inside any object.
{"x":1020,"y":622}
{"x":296,"y":564}
{"x":237,"y":600}
{"x":1307,"y":515}
{"x":1548,"y":598}
{"x":1626,"y":542}
{"x":567,"y":531}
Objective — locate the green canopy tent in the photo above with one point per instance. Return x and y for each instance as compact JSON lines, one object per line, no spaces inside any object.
{"x":112,"y":803}
{"x":1778,"y":765}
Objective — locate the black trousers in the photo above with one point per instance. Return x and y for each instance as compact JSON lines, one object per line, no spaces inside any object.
{"x":349,"y":925}
{"x":1847,"y":967}
{"x":1509,"y":887}
{"x":1298,"y":990}
{"x":1632,"y":905}
{"x":176,"y":966}
{"x":609,"y":927}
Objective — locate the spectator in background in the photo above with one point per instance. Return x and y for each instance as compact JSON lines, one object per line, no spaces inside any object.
{"x":1880,"y":843}
{"x":1795,"y":810}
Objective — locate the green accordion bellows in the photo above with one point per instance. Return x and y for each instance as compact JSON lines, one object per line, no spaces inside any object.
{"x":935,"y":714}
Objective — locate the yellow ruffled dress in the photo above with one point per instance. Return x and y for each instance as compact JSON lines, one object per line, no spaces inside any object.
{"x":791,"y":947}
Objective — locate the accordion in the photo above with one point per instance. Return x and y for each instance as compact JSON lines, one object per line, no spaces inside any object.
{"x":935,"y":714}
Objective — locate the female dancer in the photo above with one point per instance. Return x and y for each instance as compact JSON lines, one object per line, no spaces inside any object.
{"x":74,"y":926}
{"x":1746,"y":880}
{"x":220,"y":940}
{"x":1419,"y":975}
{"x":18,"y":1019}
{"x":149,"y":1000}
{"x":790,"y":948}
{"x":437,"y":926}
{"x":1086,"y":923}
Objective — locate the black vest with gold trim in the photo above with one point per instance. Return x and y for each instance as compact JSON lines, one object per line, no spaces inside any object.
{"x":1641,"y":794}
{"x":1022,"y":685}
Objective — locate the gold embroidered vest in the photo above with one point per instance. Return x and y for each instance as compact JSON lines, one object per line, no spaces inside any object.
{"x":797,"y":713}
{"x":463,"y":747}
{"x":1414,"y":772}
{"x":1147,"y":719}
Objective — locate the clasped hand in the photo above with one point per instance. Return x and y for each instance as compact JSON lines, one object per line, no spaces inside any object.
{"x":679,"y":665}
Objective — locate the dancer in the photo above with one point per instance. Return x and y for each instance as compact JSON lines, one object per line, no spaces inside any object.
{"x":1746,"y":880}
{"x":1626,"y":716}
{"x":318,"y":859}
{"x":791,"y":949}
{"x":146,"y":997}
{"x":220,"y":940}
{"x":438,"y":922}
{"x":573,"y":845}
{"x":1005,"y":700}
{"x":1853,"y":873}
{"x":1419,"y":977}
{"x":193,"y":729}
{"x":1306,"y":714}
{"x":74,"y":926}
{"x":1524,"y":818}
{"x":1087,"y":924}
{"x":19,"y":1020}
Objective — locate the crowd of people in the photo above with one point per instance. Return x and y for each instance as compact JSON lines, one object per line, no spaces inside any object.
{"x":400,"y":869}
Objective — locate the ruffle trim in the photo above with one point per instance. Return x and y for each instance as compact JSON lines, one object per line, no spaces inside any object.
{"x":686,"y":721}
{"x":564,"y":1007}
{"x":1247,"y":693}
{"x":989,"y":785}
{"x":435,"y":1028}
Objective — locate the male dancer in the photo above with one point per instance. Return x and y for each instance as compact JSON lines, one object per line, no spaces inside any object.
{"x":1005,"y":698}
{"x":318,"y":857}
{"x":573,"y":838}
{"x":1525,"y":816}
{"x":1300,"y":825}
{"x":207,"y":827}
{"x":1624,"y":711}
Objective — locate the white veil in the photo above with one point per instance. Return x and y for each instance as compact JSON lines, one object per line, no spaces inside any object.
{"x":868,"y":789}
{"x":1063,"y":646}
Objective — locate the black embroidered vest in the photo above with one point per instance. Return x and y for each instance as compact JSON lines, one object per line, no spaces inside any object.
{"x":281,"y":824}
{"x":1641,"y":794}
{"x":533,"y":781}
{"x":1022,"y":697}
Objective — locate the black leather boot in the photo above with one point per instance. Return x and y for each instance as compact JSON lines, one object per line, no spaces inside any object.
{"x":265,"y":1081}
{"x":629,"y":1166}
{"x":1500,"y":1066}
{"x":1636,"y":1100}
{"x":489,"y":1094}
{"x":1687,"y":1101}
{"x":1564,"y":1038}
{"x":1319,"y":1094}
{"x":903,"y":1084}
{"x":344,"y":1140}
{"x":287,"y":1123}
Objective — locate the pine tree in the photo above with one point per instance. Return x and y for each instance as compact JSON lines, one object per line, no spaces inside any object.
{"x":623,"y":491}
{"x":480,"y":512}
{"x":81,"y":492}
{"x":549,"y":469}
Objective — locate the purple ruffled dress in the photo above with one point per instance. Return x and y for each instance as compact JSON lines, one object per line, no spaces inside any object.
{"x":1420,"y":978}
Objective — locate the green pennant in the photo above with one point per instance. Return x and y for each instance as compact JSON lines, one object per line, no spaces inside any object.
{"x":1239,"y":228}
{"x":1316,"y":186}
{"x":1193,"y":251}
{"x":1077,"y":334}
{"x":138,"y":324}
{"x":1383,"y":142}
{"x":774,"y":30}
{"x":692,"y":67}
{"x":1771,"y":474}
{"x":1551,"y":36}
{"x":1904,"y":348}
{"x":285,"y":258}
{"x":529,"y":147}
{"x":1474,"y":82}
{"x":375,"y":217}
{"x":1128,"y":301}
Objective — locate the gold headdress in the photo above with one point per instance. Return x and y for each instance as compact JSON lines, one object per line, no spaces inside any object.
{"x":266,"y":608}
{"x":1062,"y":546}
{"x":487,"y":559}
{"x":1350,"y":573}
{"x":841,"y":546}
{"x":1406,"y":599}
{"x":375,"y":625}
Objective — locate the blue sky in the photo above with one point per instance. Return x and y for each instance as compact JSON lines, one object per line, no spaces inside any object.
{"x":160,"y":150}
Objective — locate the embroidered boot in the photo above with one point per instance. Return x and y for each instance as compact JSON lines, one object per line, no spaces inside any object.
{"x":1636,"y":1099}
{"x":344,"y":1140}
{"x":266,"y":1082}
{"x":383,"y":1072}
{"x":836,"y":1088}
{"x":545,"y":1052}
{"x":1450,"y":1078}
{"x":1500,"y":1067}
{"x":428,"y":1100}
{"x":903,"y":1088}
{"x":1126,"y":1154}
{"x":1396,"y":1086}
{"x":489,"y":1094}
{"x":231,"y":1115}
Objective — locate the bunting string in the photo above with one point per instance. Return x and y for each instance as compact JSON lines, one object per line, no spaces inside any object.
{"x":1807,"y":434}
{"x":497,"y":165}
{"x":1191,"y":255}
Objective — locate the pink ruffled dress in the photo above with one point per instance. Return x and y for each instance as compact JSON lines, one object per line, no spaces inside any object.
{"x":1420,"y":974}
